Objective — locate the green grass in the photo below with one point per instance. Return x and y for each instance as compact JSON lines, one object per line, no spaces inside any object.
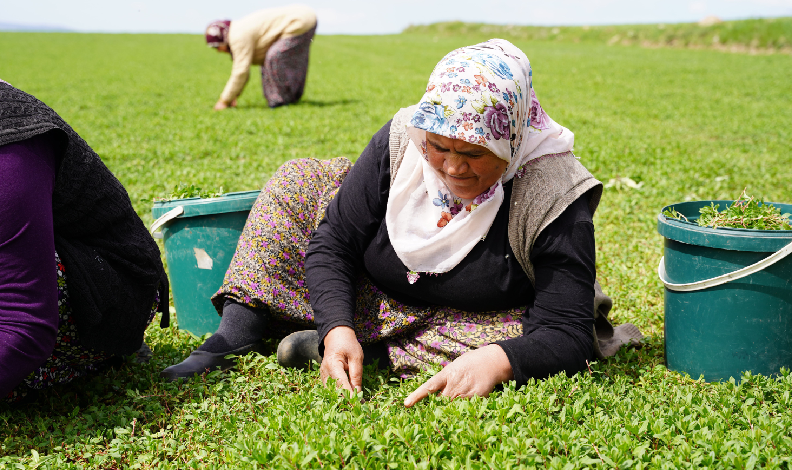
{"x":763,"y":35}
{"x":688,"y":124}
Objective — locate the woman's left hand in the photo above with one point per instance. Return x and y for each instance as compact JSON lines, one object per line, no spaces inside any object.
{"x":475,"y":373}
{"x":220,"y":105}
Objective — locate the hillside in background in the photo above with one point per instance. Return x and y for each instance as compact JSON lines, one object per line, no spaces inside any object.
{"x":751,"y":36}
{"x":30,"y":28}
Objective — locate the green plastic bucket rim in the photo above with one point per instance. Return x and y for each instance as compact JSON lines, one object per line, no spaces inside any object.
{"x":195,"y":206}
{"x":165,"y":211}
{"x":736,"y":239}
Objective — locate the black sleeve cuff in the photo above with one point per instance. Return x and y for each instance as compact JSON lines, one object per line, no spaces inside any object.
{"x":540,"y":358}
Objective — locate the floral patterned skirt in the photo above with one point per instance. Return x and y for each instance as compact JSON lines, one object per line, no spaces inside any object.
{"x":285,"y":69}
{"x":268,"y":270}
{"x":69,"y":359}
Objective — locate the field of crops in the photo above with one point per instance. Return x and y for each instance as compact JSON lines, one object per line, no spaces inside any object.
{"x":755,"y":36}
{"x":685,"y":124}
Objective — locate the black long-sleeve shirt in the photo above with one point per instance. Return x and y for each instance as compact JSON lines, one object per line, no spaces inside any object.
{"x":557,"y":326}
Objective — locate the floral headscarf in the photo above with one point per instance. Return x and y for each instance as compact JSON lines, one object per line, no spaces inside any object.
{"x":217,"y":33}
{"x":482,"y":94}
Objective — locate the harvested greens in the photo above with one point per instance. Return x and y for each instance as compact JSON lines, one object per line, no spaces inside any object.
{"x":745,"y":212}
{"x":672,"y":214}
{"x":184,"y":191}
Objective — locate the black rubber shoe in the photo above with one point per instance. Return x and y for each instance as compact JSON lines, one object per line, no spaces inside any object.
{"x":200,"y":362}
{"x":298,"y":350}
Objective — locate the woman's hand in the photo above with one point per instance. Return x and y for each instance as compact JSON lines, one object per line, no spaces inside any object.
{"x":342,"y":354}
{"x":220,"y":105}
{"x":475,"y":373}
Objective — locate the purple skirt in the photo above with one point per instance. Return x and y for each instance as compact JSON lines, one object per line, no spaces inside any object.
{"x":285,"y":68}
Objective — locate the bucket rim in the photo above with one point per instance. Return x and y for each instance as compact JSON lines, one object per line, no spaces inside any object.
{"x":238,"y":201}
{"x":738,"y":239}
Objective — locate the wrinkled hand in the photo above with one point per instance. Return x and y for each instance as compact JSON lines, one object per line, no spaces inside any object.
{"x":475,"y":373}
{"x":342,"y":354}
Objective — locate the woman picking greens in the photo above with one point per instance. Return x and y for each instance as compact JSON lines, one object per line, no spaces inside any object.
{"x":277,"y":39}
{"x":462,"y":237}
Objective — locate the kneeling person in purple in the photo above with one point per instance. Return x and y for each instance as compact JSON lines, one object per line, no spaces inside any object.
{"x":80,"y":277}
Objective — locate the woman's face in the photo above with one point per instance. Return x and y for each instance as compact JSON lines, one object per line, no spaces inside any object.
{"x":467,"y":169}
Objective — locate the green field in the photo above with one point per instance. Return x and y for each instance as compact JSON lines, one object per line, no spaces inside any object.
{"x":756,"y":36}
{"x":688,"y":124}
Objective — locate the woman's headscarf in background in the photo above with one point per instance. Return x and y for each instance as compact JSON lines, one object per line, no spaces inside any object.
{"x":217,"y":33}
{"x":482,"y":94}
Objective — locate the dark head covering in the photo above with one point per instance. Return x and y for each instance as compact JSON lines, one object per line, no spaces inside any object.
{"x":217,"y":33}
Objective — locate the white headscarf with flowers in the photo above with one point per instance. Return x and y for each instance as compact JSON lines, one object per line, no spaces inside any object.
{"x":482,"y":94}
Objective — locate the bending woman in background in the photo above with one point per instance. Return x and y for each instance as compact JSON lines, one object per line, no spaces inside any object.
{"x":277,"y":39}
{"x":462,"y":237}
{"x":80,"y":277}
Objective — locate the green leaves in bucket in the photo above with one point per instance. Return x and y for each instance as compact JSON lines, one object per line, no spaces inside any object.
{"x":745,"y":212}
{"x":672,"y":214}
{"x":183,"y":191}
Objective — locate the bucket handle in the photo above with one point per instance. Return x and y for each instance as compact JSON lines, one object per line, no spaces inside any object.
{"x":166,"y":217}
{"x":724,"y":278}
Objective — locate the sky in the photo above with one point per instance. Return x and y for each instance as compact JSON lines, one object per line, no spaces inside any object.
{"x":368,"y":16}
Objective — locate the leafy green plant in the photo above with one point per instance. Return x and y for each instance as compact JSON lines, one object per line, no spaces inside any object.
{"x":671,"y":213}
{"x":183,"y":191}
{"x":745,"y":212}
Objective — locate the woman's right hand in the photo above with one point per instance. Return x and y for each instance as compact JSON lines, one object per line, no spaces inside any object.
{"x":342,"y":354}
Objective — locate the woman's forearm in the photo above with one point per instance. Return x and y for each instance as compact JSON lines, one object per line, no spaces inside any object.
{"x":236,"y":83}
{"x":546,"y":353}
{"x":332,"y":262}
{"x":240,"y":71}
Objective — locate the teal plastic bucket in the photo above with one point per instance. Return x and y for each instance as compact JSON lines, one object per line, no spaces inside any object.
{"x":200,"y":238}
{"x":728,"y":296}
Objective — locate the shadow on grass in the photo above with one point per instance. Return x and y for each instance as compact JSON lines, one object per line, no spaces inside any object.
{"x":301,"y":104}
{"x":633,"y":362}
{"x":326,"y":104}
